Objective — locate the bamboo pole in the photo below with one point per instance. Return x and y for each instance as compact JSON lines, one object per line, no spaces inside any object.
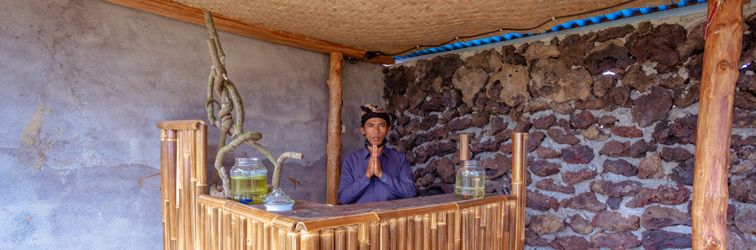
{"x":493,"y":226}
{"x":266,"y":236}
{"x":720,"y":71}
{"x":333,"y":154}
{"x":352,"y":242}
{"x":166,"y":139}
{"x":392,"y":234}
{"x":384,"y":236}
{"x":310,"y":241}
{"x":180,"y":190}
{"x":401,"y":231}
{"x":201,"y":160}
{"x":463,"y":230}
{"x":418,"y":232}
{"x":410,"y":244}
{"x":487,"y":226}
{"x":171,"y":188}
{"x":260,"y":232}
{"x":234,"y":232}
{"x":363,"y":237}
{"x":450,"y":217}
{"x":326,"y":239}
{"x":502,"y":221}
{"x":374,"y":240}
{"x":507,"y":232}
{"x":292,"y":241}
{"x":442,"y":237}
{"x":252,"y":234}
{"x":464,"y":147}
{"x":341,"y":238}
{"x":200,"y":227}
{"x":477,"y":221}
{"x":198,"y":181}
{"x":225,"y":229}
{"x":519,"y":164}
{"x":433,"y":232}
{"x":213,"y":217}
{"x":243,"y":229}
{"x":471,"y":229}
{"x":188,"y":207}
{"x":426,"y":232}
{"x":458,"y":229}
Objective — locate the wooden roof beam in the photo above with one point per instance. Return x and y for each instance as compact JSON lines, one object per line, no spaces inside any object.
{"x":193,"y":15}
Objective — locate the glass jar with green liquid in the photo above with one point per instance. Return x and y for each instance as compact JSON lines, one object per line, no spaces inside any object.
{"x":471,"y":181}
{"x":249,"y":181}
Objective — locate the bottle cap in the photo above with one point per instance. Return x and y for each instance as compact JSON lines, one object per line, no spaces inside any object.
{"x":248,"y":161}
{"x":470,"y":163}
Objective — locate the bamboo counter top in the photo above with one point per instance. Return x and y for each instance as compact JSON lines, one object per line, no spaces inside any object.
{"x":315,"y":216}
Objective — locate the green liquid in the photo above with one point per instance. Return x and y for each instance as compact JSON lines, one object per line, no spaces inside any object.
{"x":470,"y":186}
{"x":249,"y":188}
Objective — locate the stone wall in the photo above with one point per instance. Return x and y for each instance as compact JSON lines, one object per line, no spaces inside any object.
{"x":612,"y":121}
{"x":83,"y":85}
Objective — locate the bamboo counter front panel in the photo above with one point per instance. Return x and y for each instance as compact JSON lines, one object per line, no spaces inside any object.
{"x":194,"y":220}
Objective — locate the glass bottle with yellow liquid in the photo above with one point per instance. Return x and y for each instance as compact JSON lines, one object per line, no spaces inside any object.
{"x":470,"y":182}
{"x":249,"y":181}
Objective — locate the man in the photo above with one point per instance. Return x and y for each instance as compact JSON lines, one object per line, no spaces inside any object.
{"x":375,"y":172}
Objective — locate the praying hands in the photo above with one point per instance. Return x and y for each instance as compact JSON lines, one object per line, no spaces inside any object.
{"x":374,"y":164}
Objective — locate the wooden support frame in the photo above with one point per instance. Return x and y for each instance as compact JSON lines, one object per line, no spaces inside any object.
{"x":174,"y":10}
{"x":333,"y":154}
{"x":720,"y":72}
{"x":519,"y":166}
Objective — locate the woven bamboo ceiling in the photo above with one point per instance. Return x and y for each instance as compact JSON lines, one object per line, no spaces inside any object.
{"x":395,"y":25}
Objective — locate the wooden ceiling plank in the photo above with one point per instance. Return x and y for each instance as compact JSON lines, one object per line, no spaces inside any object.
{"x":193,"y":15}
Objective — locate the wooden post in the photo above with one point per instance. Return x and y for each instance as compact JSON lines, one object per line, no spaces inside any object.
{"x":464,"y":147}
{"x":519,"y":166}
{"x":720,"y":71}
{"x":333,"y":154}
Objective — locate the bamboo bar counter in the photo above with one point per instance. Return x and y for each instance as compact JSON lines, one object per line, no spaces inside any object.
{"x":192,"y":219}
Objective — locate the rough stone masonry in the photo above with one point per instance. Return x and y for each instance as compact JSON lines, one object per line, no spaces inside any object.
{"x":612,"y":122}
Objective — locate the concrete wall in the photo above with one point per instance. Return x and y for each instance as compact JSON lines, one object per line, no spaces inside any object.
{"x":83,"y":84}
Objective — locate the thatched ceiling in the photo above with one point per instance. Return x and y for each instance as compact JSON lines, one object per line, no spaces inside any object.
{"x":393,"y":25}
{"x":355,"y":27}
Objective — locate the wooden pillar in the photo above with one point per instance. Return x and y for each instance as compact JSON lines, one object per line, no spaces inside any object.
{"x":333,"y":153}
{"x":720,"y":71}
{"x":519,"y":166}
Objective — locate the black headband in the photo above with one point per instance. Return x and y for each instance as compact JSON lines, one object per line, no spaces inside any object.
{"x":369,"y":111}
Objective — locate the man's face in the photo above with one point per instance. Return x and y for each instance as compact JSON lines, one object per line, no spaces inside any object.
{"x":375,"y":130}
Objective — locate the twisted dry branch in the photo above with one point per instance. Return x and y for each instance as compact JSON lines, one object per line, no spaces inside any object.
{"x":230,"y":114}
{"x":238,"y":140}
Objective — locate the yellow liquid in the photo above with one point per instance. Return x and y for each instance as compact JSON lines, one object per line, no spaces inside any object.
{"x":470,"y":186}
{"x":251,"y":189}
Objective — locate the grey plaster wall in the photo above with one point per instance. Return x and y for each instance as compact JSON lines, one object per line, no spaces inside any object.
{"x":83,"y":84}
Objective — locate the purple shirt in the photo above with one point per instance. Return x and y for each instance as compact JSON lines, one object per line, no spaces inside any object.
{"x":395,"y":183}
